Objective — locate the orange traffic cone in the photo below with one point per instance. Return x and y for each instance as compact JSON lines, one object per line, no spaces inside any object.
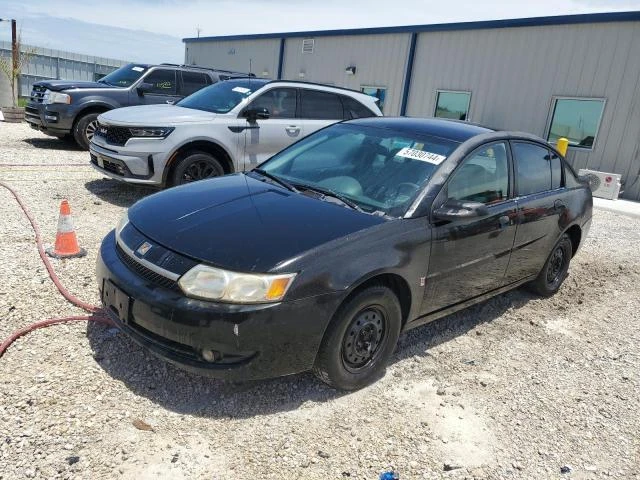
{"x":66,"y":241}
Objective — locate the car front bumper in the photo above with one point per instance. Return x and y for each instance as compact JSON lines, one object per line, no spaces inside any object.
{"x":54,"y":119}
{"x":250,"y":341}
{"x":133,"y":167}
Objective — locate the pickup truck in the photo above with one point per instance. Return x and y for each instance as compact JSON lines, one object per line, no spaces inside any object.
{"x":69,"y":109}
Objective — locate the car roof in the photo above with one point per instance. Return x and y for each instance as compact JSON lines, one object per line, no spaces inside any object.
{"x":456,"y":130}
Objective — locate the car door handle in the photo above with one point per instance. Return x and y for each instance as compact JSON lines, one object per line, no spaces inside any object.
{"x":292,"y":129}
{"x":504,"y":221}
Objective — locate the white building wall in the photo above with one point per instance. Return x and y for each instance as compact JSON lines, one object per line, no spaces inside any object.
{"x":235,"y":55}
{"x":380,"y":61}
{"x":513,"y":74}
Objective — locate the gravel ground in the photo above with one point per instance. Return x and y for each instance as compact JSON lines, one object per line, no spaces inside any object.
{"x":516,"y":387}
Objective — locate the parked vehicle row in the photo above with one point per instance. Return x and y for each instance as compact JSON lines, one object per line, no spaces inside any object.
{"x":64,"y":108}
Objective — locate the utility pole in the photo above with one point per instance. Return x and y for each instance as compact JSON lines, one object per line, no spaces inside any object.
{"x":14,"y":45}
{"x":198,"y":30}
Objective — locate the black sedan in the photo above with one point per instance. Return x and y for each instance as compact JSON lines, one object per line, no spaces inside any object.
{"x":320,"y":257}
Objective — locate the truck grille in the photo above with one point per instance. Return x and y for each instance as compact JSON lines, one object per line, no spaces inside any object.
{"x":113,"y":135}
{"x":37,"y":94}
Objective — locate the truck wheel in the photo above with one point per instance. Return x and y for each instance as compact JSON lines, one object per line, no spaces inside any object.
{"x":194,"y":166}
{"x":360,"y":339}
{"x":555,"y":268}
{"x":84,"y":129}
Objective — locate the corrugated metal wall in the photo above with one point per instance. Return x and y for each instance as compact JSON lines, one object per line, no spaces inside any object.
{"x":55,"y":64}
{"x":235,"y":55}
{"x":513,"y":74}
{"x":380,"y":61}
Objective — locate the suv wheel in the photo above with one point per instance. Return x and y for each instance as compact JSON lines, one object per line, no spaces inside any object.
{"x":84,"y":129}
{"x":194,"y":166}
{"x":360,"y":339}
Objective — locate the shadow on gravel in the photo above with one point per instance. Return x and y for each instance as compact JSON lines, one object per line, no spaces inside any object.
{"x":118,"y":193}
{"x":185,"y":393}
{"x":53,"y":143}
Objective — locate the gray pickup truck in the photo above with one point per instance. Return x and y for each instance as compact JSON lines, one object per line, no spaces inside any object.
{"x":69,"y":109}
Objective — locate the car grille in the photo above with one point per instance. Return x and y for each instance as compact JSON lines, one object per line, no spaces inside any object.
{"x":144,"y":272}
{"x":109,"y":166}
{"x":113,"y":135}
{"x":32,"y":113}
{"x":37,"y":94}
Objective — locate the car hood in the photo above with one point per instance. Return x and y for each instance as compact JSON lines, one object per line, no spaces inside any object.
{"x":59,"y":85}
{"x":242,"y":224}
{"x":155,"y":115}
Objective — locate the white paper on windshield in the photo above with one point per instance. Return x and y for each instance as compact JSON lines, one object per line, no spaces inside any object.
{"x":137,"y":69}
{"x":421,"y":155}
{"x":241,"y":89}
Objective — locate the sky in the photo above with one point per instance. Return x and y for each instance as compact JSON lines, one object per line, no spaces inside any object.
{"x":152,"y":30}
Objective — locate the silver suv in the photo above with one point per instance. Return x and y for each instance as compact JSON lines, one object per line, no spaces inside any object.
{"x":228,"y":127}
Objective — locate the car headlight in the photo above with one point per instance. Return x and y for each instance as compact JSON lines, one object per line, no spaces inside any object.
{"x":50,"y":97}
{"x":151,"y":132}
{"x":211,"y":283}
{"x":124,"y":220}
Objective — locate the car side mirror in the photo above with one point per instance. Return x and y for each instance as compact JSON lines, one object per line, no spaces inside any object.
{"x":459,"y":210}
{"x":253,"y":114}
{"x":144,"y":87}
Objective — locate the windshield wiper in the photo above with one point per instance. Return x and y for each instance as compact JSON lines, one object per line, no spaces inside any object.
{"x":330,"y":193}
{"x":278,"y":180}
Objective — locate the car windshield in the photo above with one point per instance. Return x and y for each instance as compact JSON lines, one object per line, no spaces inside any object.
{"x":124,"y":76}
{"x":221,"y":97}
{"x":377,"y":169}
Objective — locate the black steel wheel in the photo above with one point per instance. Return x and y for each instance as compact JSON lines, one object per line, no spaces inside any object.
{"x":195,"y":166}
{"x":360,"y":339}
{"x":555,"y":269}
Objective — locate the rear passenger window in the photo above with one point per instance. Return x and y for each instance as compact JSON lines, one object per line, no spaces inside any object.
{"x":192,"y":82}
{"x":163,"y":82}
{"x":537,"y":170}
{"x":354,"y":109}
{"x":321,"y":105}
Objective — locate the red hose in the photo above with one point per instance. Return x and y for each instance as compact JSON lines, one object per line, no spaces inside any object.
{"x":65,"y":293}
{"x":45,"y":323}
{"x":96,"y":312}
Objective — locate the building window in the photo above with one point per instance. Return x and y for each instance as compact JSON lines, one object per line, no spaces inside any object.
{"x":377,"y":92}
{"x":453,"y":105}
{"x":576,"y":119}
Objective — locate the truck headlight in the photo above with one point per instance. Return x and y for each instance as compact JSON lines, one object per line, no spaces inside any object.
{"x":50,"y":97}
{"x":211,"y":283}
{"x":150,"y":132}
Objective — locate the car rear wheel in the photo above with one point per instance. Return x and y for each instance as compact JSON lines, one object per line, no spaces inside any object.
{"x":360,"y":339}
{"x":555,"y":268}
{"x":195,"y":166}
{"x":84,"y":129}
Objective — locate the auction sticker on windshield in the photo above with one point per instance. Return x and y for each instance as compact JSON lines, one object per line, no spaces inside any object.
{"x":421,"y":155}
{"x":241,"y":89}
{"x":138,"y":69}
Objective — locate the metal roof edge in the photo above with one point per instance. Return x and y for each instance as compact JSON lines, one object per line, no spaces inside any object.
{"x":627,"y":16}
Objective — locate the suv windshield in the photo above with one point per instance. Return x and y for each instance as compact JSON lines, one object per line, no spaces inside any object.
{"x":221,"y":97}
{"x":124,"y":76}
{"x":378,"y":169}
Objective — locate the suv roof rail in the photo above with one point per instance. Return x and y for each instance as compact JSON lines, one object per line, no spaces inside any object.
{"x":197,"y":67}
{"x":320,"y":85}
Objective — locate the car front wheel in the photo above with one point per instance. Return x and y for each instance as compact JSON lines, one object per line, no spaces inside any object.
{"x":360,"y":339}
{"x":84,"y":129}
{"x":194,"y":166}
{"x":555,"y":268}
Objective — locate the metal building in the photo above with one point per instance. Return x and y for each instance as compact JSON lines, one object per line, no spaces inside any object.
{"x":47,"y":64}
{"x":576,"y":76}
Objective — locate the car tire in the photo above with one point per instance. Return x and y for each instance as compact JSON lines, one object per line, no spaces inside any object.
{"x":194,"y":166}
{"x":84,"y":128}
{"x":360,"y":339}
{"x":555,"y":269}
